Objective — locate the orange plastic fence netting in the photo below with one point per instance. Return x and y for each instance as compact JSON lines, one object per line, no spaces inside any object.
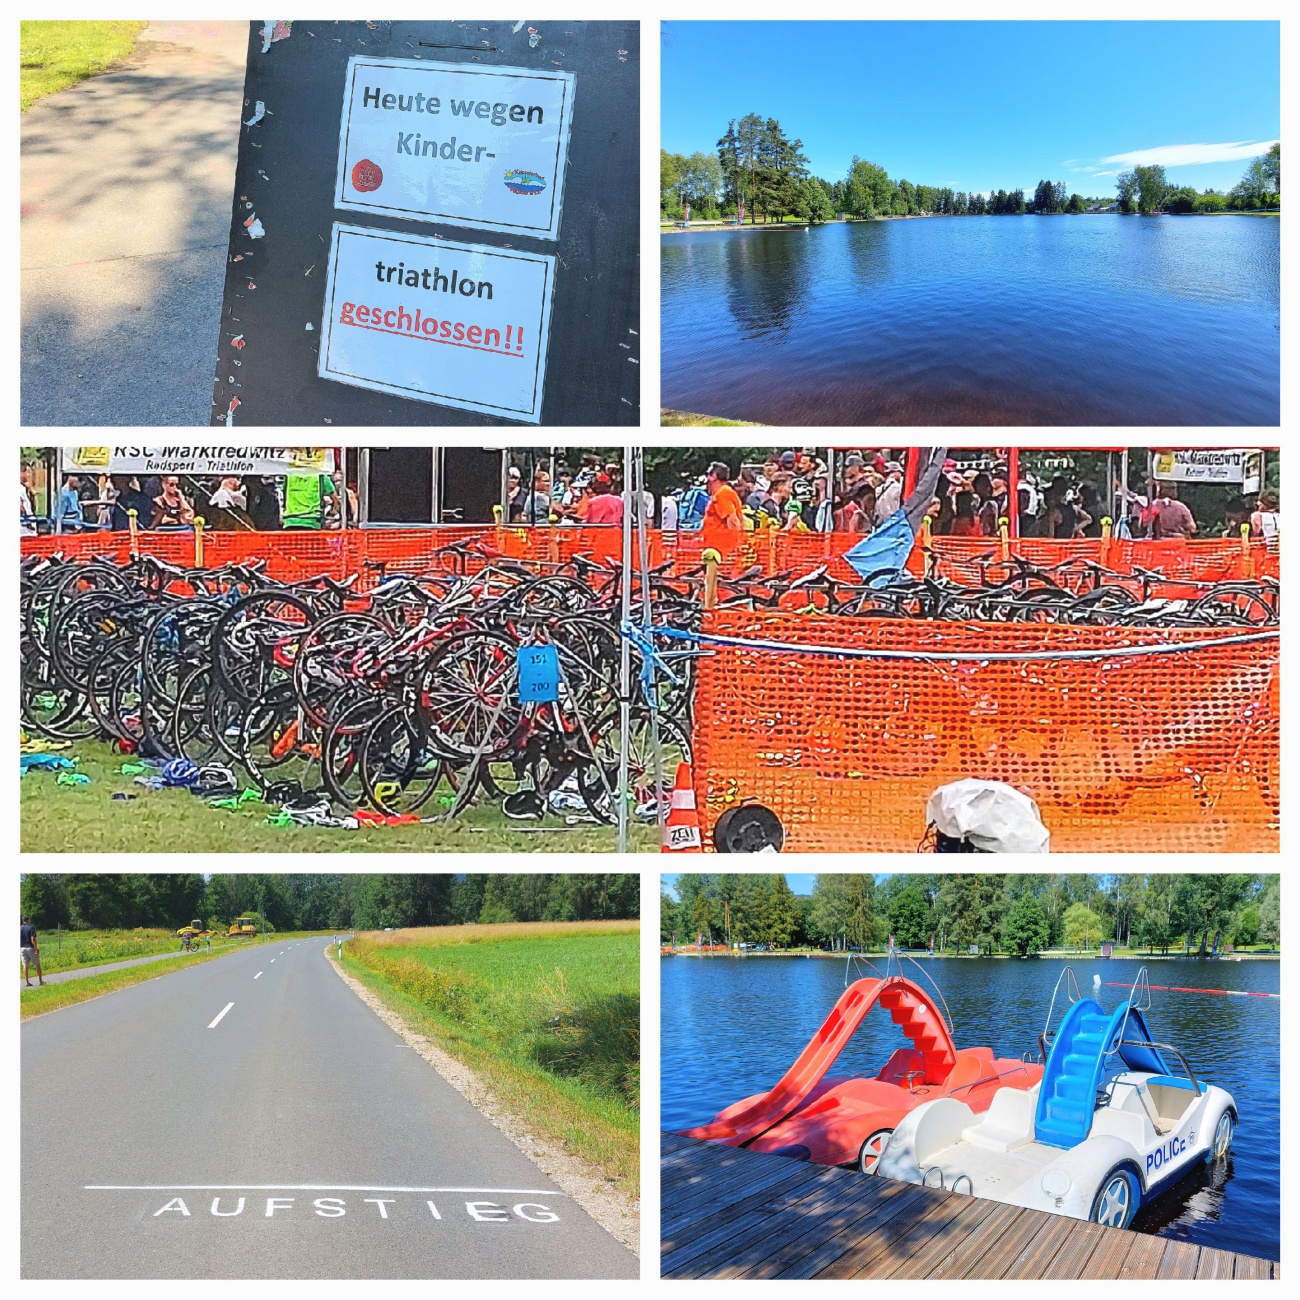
{"x":297,"y":554}
{"x":1140,"y":753}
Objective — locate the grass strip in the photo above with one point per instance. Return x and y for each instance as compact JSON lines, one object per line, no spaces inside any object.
{"x":56,"y":55}
{"x":87,"y":819}
{"x":591,"y":1125}
{"x":36,"y":1001}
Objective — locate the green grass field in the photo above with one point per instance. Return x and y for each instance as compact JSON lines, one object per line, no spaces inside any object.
{"x":87,"y":819}
{"x":548,"y":1014}
{"x":50,"y":997}
{"x":55,"y":55}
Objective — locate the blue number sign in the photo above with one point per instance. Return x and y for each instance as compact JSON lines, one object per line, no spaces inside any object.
{"x":539,"y":673}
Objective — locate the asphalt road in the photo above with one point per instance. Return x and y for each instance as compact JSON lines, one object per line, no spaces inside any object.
{"x":224,"y":1123}
{"x":126,"y":187}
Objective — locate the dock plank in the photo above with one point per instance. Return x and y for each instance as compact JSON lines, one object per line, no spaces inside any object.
{"x":732,"y":1213}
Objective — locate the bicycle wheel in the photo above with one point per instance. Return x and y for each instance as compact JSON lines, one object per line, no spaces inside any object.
{"x":399,"y":773}
{"x":468,"y":701}
{"x":598,"y":780}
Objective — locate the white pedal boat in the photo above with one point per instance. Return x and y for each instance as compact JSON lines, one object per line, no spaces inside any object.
{"x":1108,"y":1129}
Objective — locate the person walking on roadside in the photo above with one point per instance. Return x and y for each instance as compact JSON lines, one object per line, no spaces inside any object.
{"x":30,"y":950}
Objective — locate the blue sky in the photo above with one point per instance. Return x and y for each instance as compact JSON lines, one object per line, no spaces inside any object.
{"x":986,"y":105}
{"x":799,"y":882}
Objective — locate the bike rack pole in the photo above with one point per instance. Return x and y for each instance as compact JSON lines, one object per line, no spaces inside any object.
{"x":625,"y":665}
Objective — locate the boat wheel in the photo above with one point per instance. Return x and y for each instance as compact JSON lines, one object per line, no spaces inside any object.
{"x":1222,"y":1137}
{"x":872,"y":1149}
{"x":1116,"y":1202}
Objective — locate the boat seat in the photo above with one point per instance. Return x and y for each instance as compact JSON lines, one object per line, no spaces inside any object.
{"x":1008,"y":1122}
{"x":1162,"y":1124}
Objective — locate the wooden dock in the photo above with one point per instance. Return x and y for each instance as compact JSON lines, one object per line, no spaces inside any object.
{"x":728,"y":1213}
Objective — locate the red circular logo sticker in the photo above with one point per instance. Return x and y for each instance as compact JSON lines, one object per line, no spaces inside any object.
{"x":366,"y":176}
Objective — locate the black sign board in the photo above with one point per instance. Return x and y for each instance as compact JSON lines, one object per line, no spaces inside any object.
{"x":434,"y":223}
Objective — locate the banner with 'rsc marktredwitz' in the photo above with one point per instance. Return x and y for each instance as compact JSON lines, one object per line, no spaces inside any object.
{"x":434,"y":223}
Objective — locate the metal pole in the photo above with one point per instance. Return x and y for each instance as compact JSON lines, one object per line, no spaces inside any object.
{"x":830,"y":489}
{"x":656,"y":747}
{"x":624,"y":665}
{"x":343,"y":488}
{"x":1123,"y":484}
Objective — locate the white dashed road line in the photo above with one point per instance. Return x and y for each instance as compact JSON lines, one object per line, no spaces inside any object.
{"x":258,"y":976}
{"x":223,"y":1011}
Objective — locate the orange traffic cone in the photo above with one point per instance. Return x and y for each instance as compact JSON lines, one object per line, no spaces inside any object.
{"x":682,"y":829}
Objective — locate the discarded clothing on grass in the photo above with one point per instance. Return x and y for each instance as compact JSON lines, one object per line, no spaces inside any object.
{"x":44,"y":763}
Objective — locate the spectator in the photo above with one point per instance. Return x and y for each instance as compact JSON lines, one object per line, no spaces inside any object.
{"x":1170,"y":519}
{"x":171,"y":507}
{"x":514,"y":494}
{"x":227,"y":510}
{"x":776,"y":498}
{"x":129,"y":497}
{"x":536,"y":507}
{"x":29,"y":950}
{"x":604,"y":506}
{"x":263,"y":504}
{"x":965,"y":522}
{"x":69,"y":512}
{"x":986,"y":508}
{"x":668,"y":517}
{"x":723,"y":516}
{"x":859,"y":512}
{"x":889,"y":493}
{"x":808,"y":464}
{"x":854,"y":471}
{"x":26,"y":511}
{"x":104,"y":509}
{"x":823,"y":507}
{"x":748,"y":490}
{"x":1059,"y":518}
{"x":305,"y":497}
{"x":1090,"y":505}
{"x":1265,"y":522}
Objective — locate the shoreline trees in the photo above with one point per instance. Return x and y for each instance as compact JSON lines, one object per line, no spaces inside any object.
{"x":995,"y":913}
{"x":760,"y":171}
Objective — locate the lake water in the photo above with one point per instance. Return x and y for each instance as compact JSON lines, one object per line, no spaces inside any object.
{"x":1104,"y":320}
{"x":732,"y":1027}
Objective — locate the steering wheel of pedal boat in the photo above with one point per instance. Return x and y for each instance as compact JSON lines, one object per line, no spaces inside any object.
{"x":872,"y":1149}
{"x":1117,"y":1200}
{"x":1222,"y":1137}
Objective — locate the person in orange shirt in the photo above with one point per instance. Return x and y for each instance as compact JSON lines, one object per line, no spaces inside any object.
{"x":724,"y":520}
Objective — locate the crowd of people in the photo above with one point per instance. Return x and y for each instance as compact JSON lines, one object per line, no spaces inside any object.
{"x":590,"y":493}
{"x":795,"y":491}
{"x":229,"y":503}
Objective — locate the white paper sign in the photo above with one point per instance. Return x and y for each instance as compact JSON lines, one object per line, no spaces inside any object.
{"x":473,"y":146}
{"x":460,"y":325}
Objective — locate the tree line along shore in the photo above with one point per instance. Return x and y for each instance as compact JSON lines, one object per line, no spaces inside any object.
{"x":1019,"y":914}
{"x":760,"y":175}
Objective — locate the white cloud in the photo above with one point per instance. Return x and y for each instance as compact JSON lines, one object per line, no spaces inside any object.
{"x":1191,"y":155}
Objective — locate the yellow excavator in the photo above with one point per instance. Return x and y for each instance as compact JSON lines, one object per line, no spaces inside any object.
{"x":193,"y":934}
{"x":242,"y":925}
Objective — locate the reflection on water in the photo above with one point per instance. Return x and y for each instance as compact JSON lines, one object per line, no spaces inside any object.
{"x":977,"y":320}
{"x":731,"y":1027}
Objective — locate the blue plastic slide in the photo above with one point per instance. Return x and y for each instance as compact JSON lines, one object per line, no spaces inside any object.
{"x":1075,"y":1065}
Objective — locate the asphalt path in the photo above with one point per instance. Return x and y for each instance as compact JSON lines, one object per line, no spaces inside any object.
{"x":252,"y":1118}
{"x":81,"y":972}
{"x":126,"y":189}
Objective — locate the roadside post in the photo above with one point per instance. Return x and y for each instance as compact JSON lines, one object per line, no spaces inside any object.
{"x":434,"y":223}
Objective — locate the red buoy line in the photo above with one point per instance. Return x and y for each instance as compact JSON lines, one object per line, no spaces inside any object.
{"x":1173,"y":988}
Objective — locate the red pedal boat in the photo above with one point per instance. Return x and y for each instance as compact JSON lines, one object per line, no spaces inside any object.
{"x":812,"y":1115}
